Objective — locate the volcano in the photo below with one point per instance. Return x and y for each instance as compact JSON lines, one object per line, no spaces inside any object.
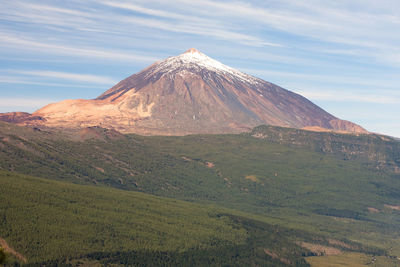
{"x":189,"y":94}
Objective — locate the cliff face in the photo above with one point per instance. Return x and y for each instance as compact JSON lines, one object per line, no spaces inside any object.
{"x":192,"y":93}
{"x":376,"y":151}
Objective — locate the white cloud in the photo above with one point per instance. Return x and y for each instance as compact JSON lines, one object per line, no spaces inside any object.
{"x":44,"y":14}
{"x":349,"y":24}
{"x":148,"y":11}
{"x":275,"y":34}
{"x":8,"y":103}
{"x":361,"y":24}
{"x":86,"y":78}
{"x":91,"y":52}
{"x":382,"y":81}
{"x":191,"y":24}
{"x":26,"y":80}
{"x":349,"y":97}
{"x":202,"y":30}
{"x":101,"y":21}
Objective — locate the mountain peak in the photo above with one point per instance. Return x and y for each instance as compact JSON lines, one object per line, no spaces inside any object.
{"x":192,"y":51}
{"x":192,"y":55}
{"x":194,"y":61}
{"x":188,"y":94}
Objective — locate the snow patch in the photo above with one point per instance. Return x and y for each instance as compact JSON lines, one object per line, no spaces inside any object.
{"x":193,"y":59}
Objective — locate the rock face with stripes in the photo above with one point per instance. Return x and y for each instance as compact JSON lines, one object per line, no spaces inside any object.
{"x":189,"y":94}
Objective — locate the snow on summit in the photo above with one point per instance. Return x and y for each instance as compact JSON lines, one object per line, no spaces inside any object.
{"x":194,"y":59}
{"x":188,"y":94}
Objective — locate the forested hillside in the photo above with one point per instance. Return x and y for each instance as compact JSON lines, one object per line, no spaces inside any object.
{"x":322,"y":186}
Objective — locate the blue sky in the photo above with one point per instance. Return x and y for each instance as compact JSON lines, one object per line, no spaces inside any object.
{"x":344,"y":55}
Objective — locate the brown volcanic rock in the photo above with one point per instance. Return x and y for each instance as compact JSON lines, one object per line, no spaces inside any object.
{"x":97,"y":133}
{"x":340,"y":126}
{"x":346,"y":126}
{"x":21,"y":117}
{"x":191,"y":93}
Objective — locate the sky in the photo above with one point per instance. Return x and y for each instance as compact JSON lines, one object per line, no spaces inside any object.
{"x":343,"y":55}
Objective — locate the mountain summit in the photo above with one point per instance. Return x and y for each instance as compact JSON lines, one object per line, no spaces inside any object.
{"x":187,"y":94}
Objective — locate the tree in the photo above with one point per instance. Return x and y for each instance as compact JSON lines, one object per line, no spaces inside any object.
{"x":2,"y":256}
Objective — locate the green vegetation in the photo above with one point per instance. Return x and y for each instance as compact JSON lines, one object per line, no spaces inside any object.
{"x":352,"y":260}
{"x":56,"y":222}
{"x":296,"y":186}
{"x":322,"y":186}
{"x":372,"y":150}
{"x":2,"y":256}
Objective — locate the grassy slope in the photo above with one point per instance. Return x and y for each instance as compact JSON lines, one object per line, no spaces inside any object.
{"x":47,"y":220}
{"x":352,"y":260}
{"x":319,"y":182}
{"x":305,"y":189}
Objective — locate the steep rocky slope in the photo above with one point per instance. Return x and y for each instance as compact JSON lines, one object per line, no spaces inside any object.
{"x":191,"y":93}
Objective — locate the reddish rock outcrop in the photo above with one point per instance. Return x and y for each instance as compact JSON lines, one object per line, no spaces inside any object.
{"x":346,"y":126}
{"x":21,"y":117}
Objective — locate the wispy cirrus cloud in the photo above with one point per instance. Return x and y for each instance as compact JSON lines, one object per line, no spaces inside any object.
{"x":151,"y":11}
{"x":349,"y":97}
{"x":194,"y":29}
{"x":8,"y":104}
{"x":316,"y":18}
{"x":332,"y":22}
{"x":85,"y":78}
{"x":338,"y":52}
{"x":383,"y":81}
{"x":9,"y":79}
{"x":99,"y":20}
{"x":196,"y":25}
{"x":42,"y":14}
{"x":246,"y":23}
{"x":63,"y":49}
